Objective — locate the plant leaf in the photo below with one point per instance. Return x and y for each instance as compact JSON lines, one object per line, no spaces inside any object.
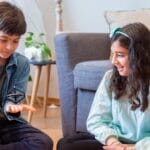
{"x":30,"y":41}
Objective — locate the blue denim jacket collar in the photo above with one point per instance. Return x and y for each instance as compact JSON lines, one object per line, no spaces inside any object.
{"x":12,"y":61}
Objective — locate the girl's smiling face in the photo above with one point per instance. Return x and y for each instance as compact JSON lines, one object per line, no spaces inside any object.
{"x":119,"y":57}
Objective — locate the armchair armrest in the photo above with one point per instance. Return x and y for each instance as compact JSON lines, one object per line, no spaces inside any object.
{"x":72,"y":48}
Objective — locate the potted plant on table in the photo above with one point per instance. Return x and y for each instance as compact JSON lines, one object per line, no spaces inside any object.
{"x":36,"y":49}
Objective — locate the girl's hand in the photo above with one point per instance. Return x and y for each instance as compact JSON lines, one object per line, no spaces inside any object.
{"x":15,"y":108}
{"x":119,"y":146}
{"x":115,"y":146}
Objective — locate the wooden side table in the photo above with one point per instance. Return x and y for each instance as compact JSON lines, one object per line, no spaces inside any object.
{"x":39,"y":65}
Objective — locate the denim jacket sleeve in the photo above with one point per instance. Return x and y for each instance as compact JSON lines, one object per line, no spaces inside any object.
{"x":17,"y":78}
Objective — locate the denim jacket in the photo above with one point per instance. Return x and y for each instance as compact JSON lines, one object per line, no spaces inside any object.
{"x":14,"y":87}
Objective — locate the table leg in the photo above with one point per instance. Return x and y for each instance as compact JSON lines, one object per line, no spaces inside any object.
{"x":34,"y":90}
{"x":48,"y":70}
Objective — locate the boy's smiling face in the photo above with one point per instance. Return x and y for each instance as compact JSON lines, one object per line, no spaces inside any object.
{"x":8,"y":45}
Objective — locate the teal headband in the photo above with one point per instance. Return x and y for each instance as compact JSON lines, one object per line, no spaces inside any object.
{"x":116,"y":30}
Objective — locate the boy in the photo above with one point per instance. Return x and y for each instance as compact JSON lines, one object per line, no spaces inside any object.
{"x":15,"y":132}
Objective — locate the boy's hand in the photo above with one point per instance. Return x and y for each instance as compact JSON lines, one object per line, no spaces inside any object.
{"x":15,"y":108}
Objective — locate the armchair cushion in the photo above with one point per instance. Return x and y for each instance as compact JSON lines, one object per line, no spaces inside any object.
{"x":87,"y":75}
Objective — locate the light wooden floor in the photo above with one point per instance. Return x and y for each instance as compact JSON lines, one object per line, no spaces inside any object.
{"x":51,"y":125}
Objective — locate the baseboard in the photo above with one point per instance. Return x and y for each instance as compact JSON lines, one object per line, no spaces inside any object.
{"x":51,"y":100}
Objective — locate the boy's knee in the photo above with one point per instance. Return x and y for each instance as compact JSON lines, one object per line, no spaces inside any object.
{"x":46,"y":142}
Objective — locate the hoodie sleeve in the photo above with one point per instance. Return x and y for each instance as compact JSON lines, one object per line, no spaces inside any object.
{"x":143,"y":144}
{"x":100,"y":115}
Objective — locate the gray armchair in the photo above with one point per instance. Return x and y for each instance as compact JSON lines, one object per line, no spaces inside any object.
{"x":81,"y":59}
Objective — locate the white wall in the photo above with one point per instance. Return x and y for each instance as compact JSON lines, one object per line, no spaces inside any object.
{"x":88,"y":15}
{"x":47,"y":8}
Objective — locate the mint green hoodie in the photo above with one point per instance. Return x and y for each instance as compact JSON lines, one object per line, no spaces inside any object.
{"x":109,"y":117}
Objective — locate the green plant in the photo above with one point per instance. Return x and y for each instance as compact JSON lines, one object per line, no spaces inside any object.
{"x":30,"y":41}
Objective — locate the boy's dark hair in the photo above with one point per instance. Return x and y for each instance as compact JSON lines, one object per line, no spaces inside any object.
{"x":138,"y":80}
{"x":12,"y":20}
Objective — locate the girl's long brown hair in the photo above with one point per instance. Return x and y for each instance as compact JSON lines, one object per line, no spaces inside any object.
{"x":138,"y":81}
